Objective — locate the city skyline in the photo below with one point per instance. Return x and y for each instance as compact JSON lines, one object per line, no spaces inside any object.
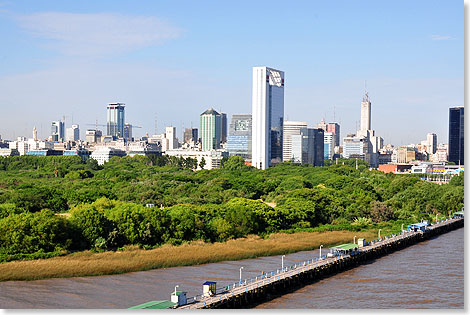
{"x":175,"y":62}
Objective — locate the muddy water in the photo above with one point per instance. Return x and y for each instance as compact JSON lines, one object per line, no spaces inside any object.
{"x":426,"y":275}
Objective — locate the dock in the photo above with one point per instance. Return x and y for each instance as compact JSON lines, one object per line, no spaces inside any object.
{"x":253,"y":291}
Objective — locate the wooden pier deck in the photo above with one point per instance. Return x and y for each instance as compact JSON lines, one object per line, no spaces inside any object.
{"x":243,"y":293}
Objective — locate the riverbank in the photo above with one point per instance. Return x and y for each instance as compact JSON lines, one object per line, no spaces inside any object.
{"x":88,"y":263}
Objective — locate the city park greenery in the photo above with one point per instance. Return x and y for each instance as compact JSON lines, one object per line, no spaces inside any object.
{"x":56,"y":205}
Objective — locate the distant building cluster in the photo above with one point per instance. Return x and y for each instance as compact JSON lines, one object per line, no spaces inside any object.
{"x":262,"y":138}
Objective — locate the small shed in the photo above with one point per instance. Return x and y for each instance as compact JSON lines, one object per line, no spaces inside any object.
{"x":154,"y":305}
{"x":418,"y":226}
{"x":209,"y":288}
{"x":344,"y":248}
{"x":179,"y":297}
{"x":361,"y":242}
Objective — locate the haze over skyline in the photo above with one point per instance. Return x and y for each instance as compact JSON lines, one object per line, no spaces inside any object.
{"x":176,"y":59}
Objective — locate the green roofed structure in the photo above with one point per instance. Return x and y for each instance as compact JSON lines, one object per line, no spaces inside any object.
{"x":155,"y":305}
{"x":344,"y":248}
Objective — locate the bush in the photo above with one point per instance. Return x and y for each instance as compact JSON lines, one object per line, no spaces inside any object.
{"x":28,"y":233}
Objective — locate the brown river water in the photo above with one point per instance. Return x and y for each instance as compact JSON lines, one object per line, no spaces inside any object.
{"x":429,"y":274}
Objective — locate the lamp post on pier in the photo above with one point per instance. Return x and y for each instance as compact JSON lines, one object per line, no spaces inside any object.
{"x":241,"y":275}
{"x":379,"y":233}
{"x":282,"y":262}
{"x":320,"y":250}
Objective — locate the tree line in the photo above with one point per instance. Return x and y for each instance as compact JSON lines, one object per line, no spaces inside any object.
{"x":62,"y":204}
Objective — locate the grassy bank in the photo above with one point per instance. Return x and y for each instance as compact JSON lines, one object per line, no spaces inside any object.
{"x":133,"y":259}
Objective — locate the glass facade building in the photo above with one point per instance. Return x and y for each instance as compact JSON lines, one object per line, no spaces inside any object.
{"x":239,"y":136}
{"x":456,"y":135}
{"x":223,"y":126}
{"x":268,"y":116}
{"x":115,"y":120}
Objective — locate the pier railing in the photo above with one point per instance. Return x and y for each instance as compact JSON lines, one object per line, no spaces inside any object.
{"x":250,"y":284}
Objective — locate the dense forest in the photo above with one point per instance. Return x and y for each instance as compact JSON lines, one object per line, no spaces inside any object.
{"x":55,"y":205}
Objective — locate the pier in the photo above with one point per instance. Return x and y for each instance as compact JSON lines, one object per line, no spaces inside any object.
{"x":249,"y":292}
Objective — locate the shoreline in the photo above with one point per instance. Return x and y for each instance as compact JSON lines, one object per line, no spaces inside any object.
{"x":87,"y":263}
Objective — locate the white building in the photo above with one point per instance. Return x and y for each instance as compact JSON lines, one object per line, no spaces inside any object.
{"x":290,"y":128}
{"x":21,"y":145}
{"x":440,"y":155}
{"x":356,"y":147}
{"x":365,"y":113}
{"x":103,"y":154}
{"x":170,"y":134}
{"x":142,"y":148}
{"x":267,"y":116}
{"x":212,"y":158}
{"x":431,"y":140}
{"x":72,"y":133}
{"x":8,"y":152}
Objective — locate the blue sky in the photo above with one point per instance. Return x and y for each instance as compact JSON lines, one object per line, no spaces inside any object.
{"x":175,"y":59}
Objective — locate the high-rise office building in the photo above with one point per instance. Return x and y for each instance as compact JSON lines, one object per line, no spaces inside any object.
{"x":223,"y":126}
{"x":307,"y":147}
{"x":58,"y":131}
{"x":268,"y":116}
{"x":239,"y":136}
{"x":35,"y":134}
{"x":190,"y":135}
{"x":210,"y":130}
{"x":318,"y":136}
{"x":72,"y":133}
{"x":290,"y":128}
{"x":115,"y":119}
{"x":333,"y":127}
{"x":456,"y":135}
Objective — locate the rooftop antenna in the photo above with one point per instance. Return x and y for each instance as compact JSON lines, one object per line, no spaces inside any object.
{"x":182,"y":129}
{"x":156,"y":132}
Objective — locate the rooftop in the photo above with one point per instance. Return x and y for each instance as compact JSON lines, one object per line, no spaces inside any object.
{"x":154,"y":305}
{"x":210,"y":111}
{"x":346,"y":246}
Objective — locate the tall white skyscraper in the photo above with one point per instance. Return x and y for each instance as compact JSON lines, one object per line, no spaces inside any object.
{"x":432,"y":142}
{"x":170,"y":134}
{"x":365,"y":113}
{"x":268,"y":116}
{"x":291,"y":128}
